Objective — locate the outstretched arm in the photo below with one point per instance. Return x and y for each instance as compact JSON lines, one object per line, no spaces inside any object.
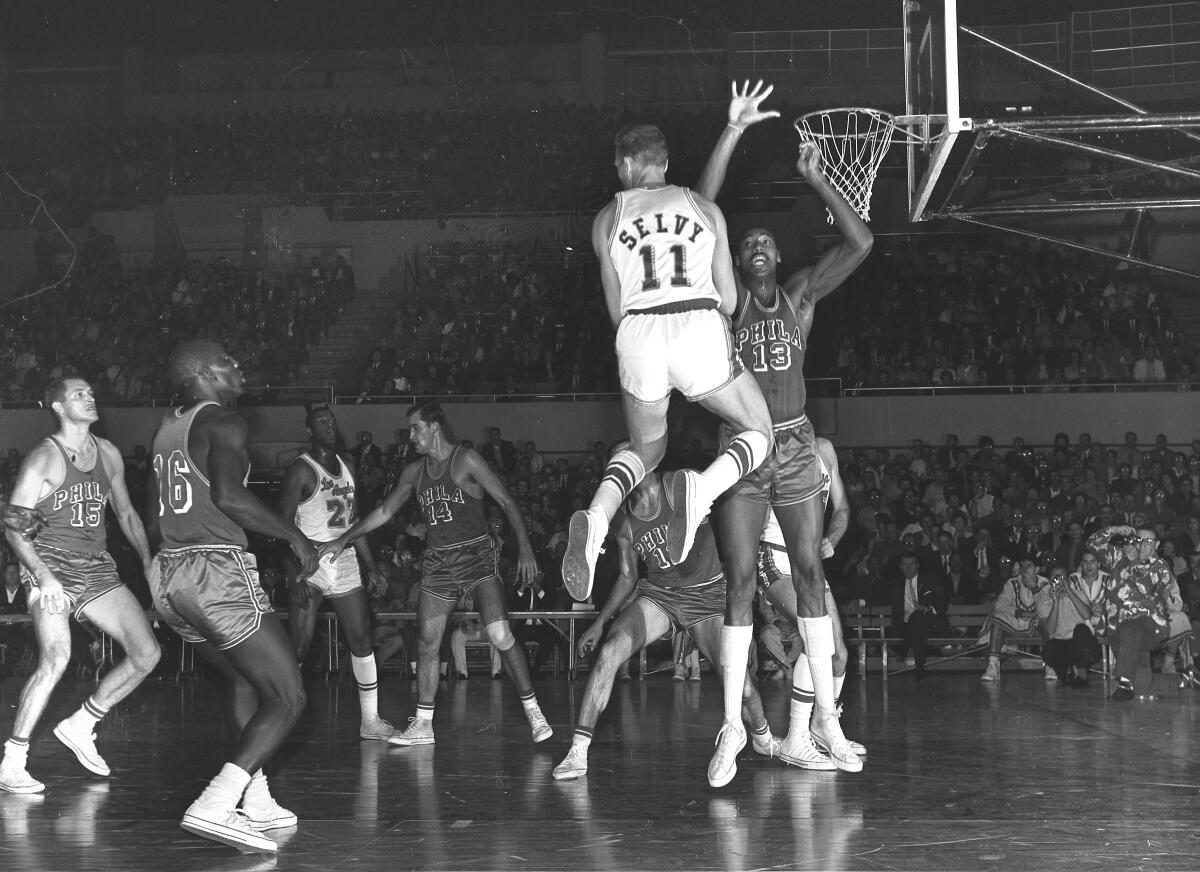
{"x":620,"y":592}
{"x":478,"y":469}
{"x":226,"y":464}
{"x":127,"y":517}
{"x":743,"y":111}
{"x":33,"y":482}
{"x":381,"y":514}
{"x":833,"y":267}
{"x":840,"y":519}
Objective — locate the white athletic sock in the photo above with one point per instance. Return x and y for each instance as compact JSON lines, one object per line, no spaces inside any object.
{"x":367,"y":676}
{"x":582,"y":738}
{"x":839,"y":681}
{"x":258,"y":792}
{"x":226,"y":789}
{"x":89,"y":714}
{"x":819,"y":647}
{"x":16,"y":752}
{"x":801,"y":705}
{"x":621,"y":476}
{"x":735,"y":656}
{"x":747,"y":450}
{"x":424,"y":712}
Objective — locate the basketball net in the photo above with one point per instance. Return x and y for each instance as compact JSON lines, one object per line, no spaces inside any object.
{"x":852,"y":144}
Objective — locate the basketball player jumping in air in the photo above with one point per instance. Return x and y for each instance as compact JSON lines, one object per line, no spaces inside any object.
{"x":318,"y":492}
{"x":771,"y":326}
{"x":205,"y":585}
{"x":669,"y":287}
{"x":685,"y":597}
{"x":64,"y":487}
{"x":460,"y":559}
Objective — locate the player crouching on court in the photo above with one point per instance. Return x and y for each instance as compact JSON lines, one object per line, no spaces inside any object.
{"x":688,"y":596}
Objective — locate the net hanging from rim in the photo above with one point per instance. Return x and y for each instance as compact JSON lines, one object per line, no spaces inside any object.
{"x":853,"y":142}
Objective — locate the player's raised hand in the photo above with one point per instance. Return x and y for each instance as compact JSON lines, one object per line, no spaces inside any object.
{"x":743,"y":107}
{"x":809,"y":162}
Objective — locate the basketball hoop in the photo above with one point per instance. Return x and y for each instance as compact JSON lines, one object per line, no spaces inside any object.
{"x":853,"y":142}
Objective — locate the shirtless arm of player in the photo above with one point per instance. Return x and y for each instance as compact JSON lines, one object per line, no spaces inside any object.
{"x":621,"y":591}
{"x":601,"y":231}
{"x":297,"y":486}
{"x":743,"y":111}
{"x":37,"y":477}
{"x":381,"y":514}
{"x":476,"y":467}
{"x":226,"y":462}
{"x":722,"y":264}
{"x":376,"y":580}
{"x":122,"y":506}
{"x":840,"y":520}
{"x":812,"y":283}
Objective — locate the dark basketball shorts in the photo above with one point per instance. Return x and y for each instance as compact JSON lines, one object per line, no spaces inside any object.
{"x":453,"y":572}
{"x":792,"y":472}
{"x":686,"y":606}
{"x":209,"y":594}
{"x":85,"y":576}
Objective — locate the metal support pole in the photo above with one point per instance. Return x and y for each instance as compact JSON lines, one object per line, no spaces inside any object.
{"x":1033,"y":234}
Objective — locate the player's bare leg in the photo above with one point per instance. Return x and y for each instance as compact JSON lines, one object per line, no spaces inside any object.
{"x":119,"y":615}
{"x":54,"y":652}
{"x":432,"y":614}
{"x":647,"y":423}
{"x":627,"y":636}
{"x":355,"y":619}
{"x":266,"y":699}
{"x":740,"y":523}
{"x":782,"y":595}
{"x":489,"y":599}
{"x":740,"y":403}
{"x":802,"y":525}
{"x":302,"y":621}
{"x":708,"y":639}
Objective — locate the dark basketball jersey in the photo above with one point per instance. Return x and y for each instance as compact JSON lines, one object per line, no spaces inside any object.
{"x":771,"y":345}
{"x":452,"y":515}
{"x":75,"y":509}
{"x":186,"y":514}
{"x":649,"y":537}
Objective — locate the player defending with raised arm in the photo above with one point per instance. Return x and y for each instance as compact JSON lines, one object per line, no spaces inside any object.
{"x":62,"y":489}
{"x":318,"y":493}
{"x":460,"y":559}
{"x":771,"y":326}
{"x":685,"y":597}
{"x":669,"y":288}
{"x":775,"y":581}
{"x":205,"y":585}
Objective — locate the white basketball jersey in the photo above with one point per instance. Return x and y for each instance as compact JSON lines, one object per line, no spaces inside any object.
{"x":662,"y":247}
{"x":329,"y":510}
{"x":771,"y":533}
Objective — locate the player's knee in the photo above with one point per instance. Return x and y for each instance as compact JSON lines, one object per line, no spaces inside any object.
{"x":500,"y":635}
{"x":144,"y":655}
{"x":53,"y":659}
{"x":293,"y":698}
{"x":358,"y":642}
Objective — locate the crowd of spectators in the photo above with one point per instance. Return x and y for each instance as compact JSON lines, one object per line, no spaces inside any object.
{"x":946,"y":311}
{"x":991,"y":311}
{"x":115,"y":326}
{"x":489,"y":159}
{"x":502,"y":320}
